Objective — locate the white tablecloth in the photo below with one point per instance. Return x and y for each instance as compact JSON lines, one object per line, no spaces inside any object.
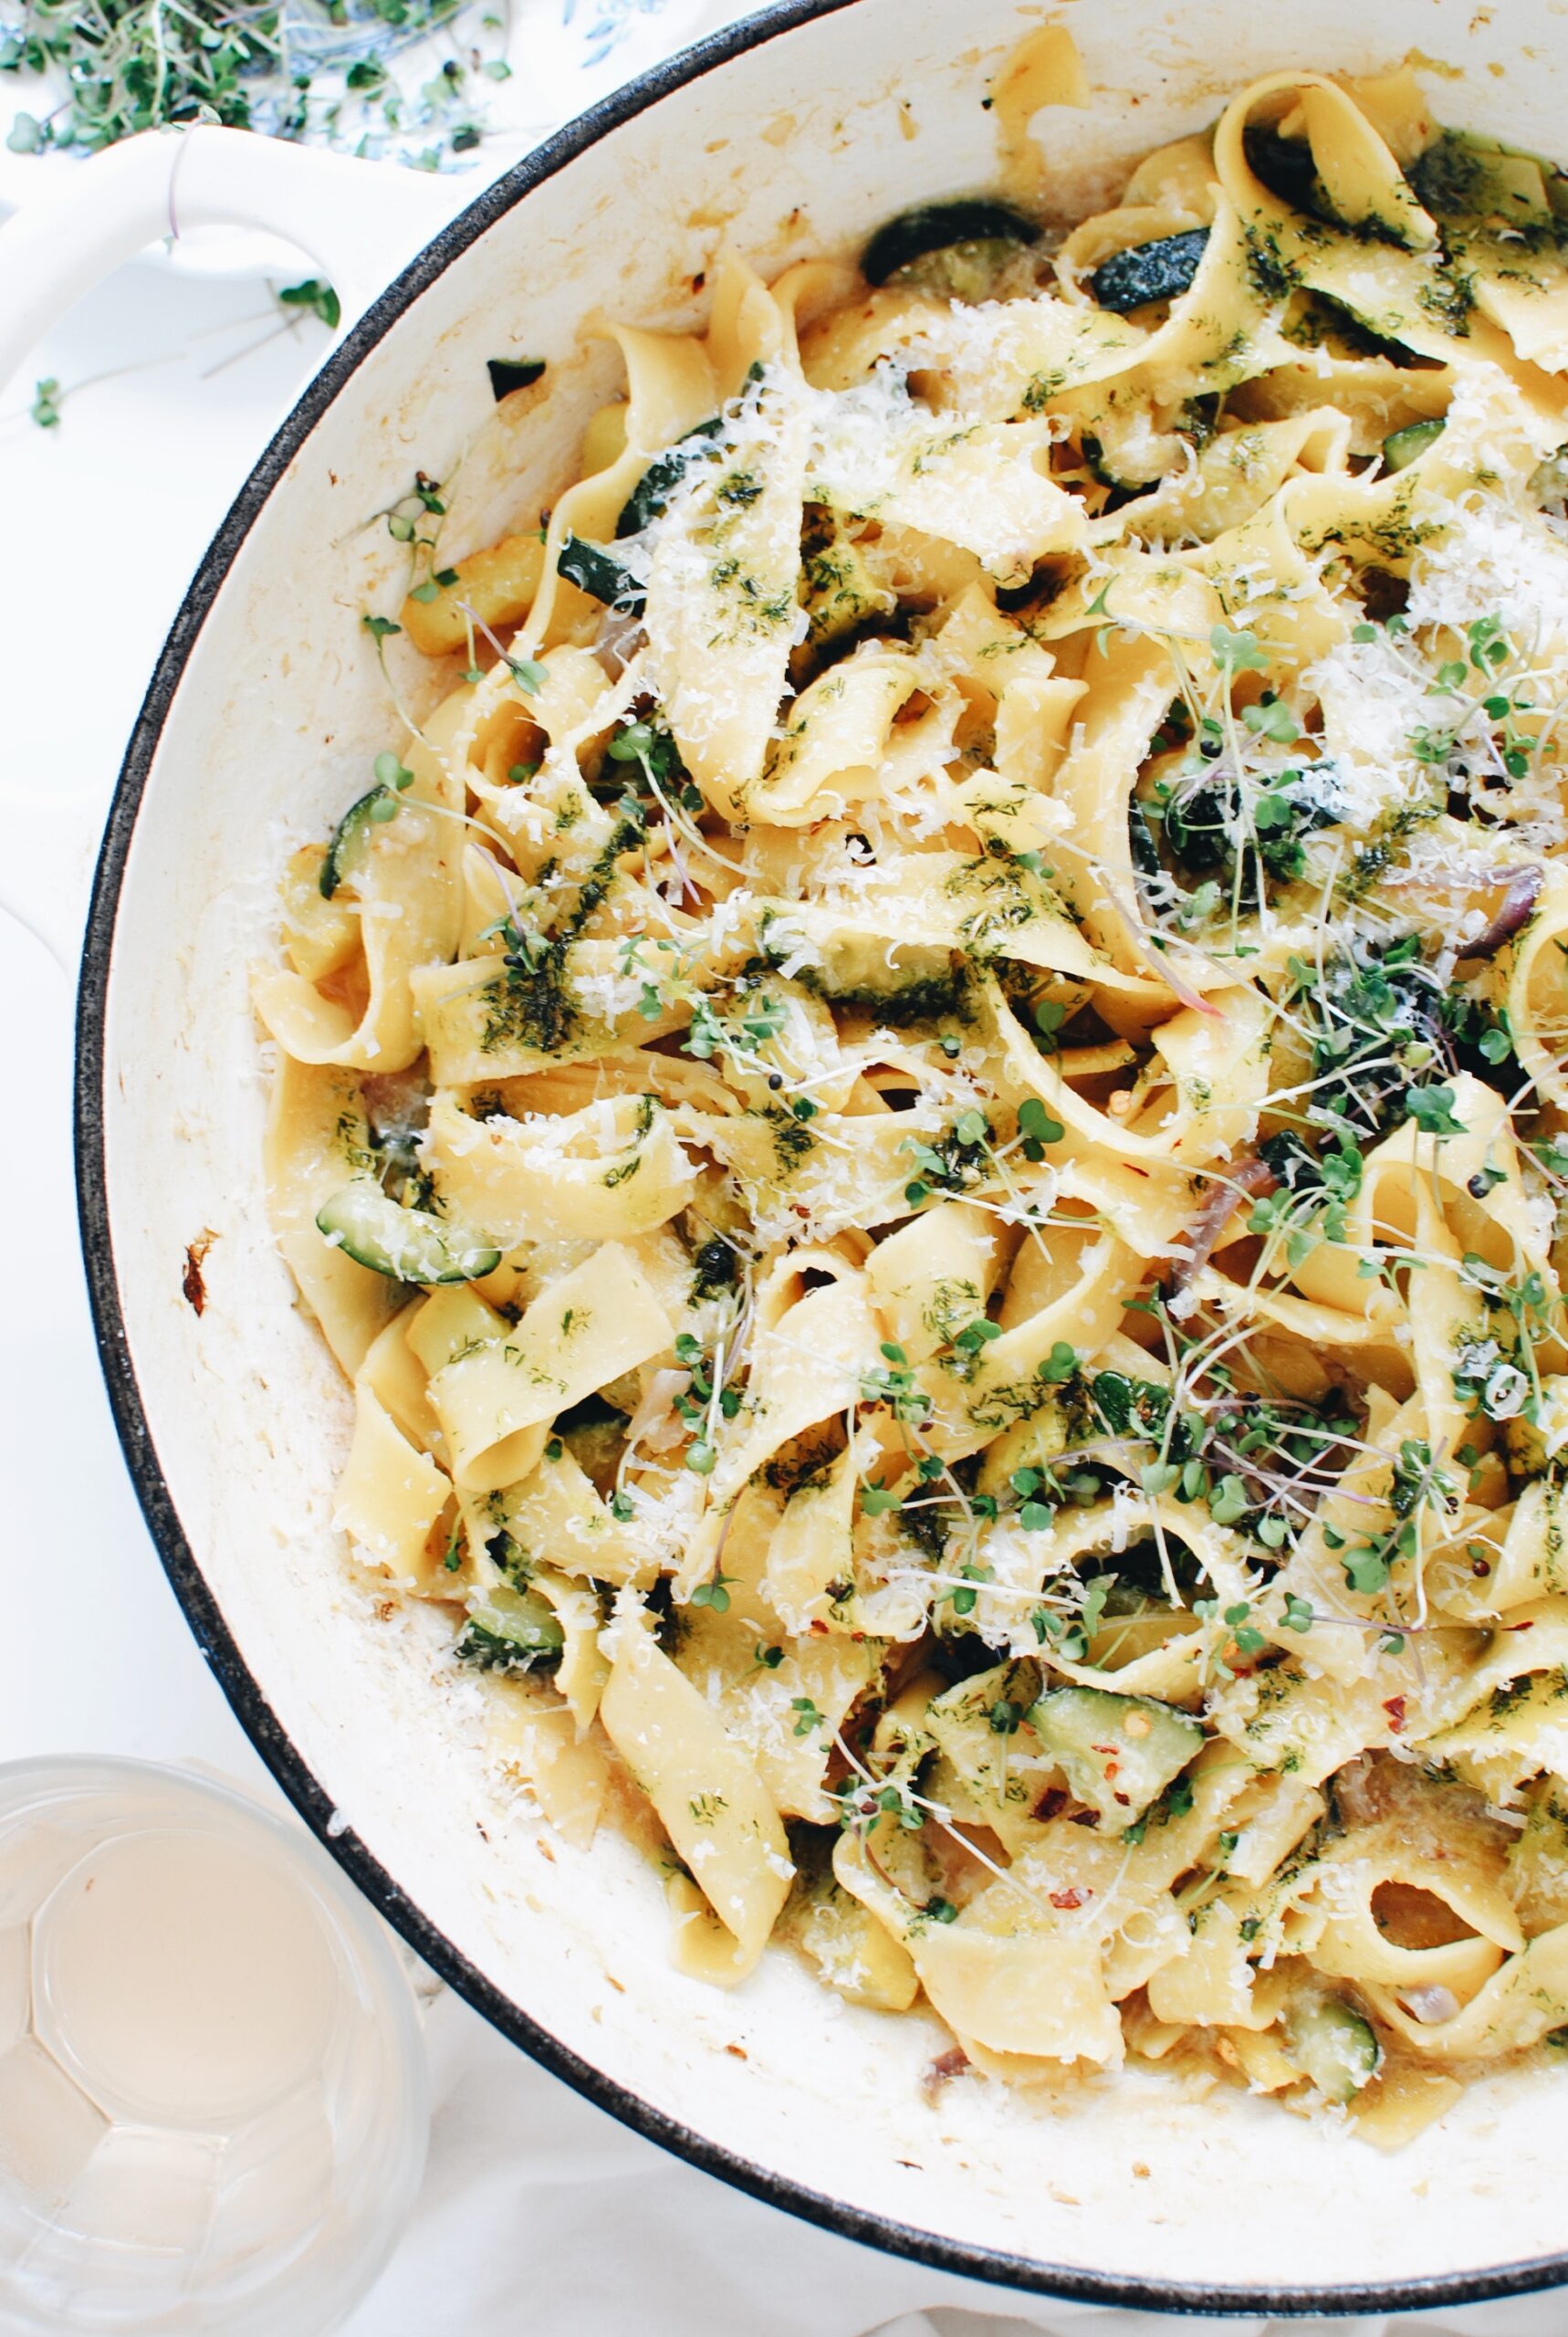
{"x":539,"y":2213}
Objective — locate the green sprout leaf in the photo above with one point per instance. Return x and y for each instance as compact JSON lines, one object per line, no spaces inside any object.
{"x":1238,"y":653}
{"x":316,"y":297}
{"x":1432,"y":1110}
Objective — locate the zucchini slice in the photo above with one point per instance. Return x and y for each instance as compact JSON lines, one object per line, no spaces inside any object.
{"x":1537,"y":1448}
{"x":840,"y":591}
{"x":1549,"y":481}
{"x":406,"y":1244}
{"x":351,"y":836}
{"x":1285,"y":167}
{"x":1464,"y":174}
{"x":1118,"y":1754}
{"x":1401,"y":448}
{"x":1333,"y":2045}
{"x":650,"y":498}
{"x":591,"y":568}
{"x":1156,"y":271}
{"x":511,"y":1630}
{"x":932,"y":227}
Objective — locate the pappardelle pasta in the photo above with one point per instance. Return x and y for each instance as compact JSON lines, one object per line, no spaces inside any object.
{"x":929,"y":1110}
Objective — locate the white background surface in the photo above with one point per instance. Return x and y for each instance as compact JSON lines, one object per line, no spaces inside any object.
{"x":539,"y":2214}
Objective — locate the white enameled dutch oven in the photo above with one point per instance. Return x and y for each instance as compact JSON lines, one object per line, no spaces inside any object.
{"x":796,"y":131}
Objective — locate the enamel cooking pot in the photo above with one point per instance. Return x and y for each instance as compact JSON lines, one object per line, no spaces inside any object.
{"x":799,"y":129}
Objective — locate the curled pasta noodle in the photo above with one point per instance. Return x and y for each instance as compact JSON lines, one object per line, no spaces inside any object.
{"x":927,"y":1112}
{"x":704,"y":1788}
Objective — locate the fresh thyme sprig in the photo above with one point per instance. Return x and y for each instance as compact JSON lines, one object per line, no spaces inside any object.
{"x":317,"y":70}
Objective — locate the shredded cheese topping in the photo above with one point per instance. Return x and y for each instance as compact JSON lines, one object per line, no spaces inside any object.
{"x":960,"y":1022}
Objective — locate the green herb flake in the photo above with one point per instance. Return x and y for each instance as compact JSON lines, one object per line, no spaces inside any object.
{"x":509,"y":373}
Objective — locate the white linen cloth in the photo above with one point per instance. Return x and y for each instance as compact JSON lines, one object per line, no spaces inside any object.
{"x":539,"y":2213}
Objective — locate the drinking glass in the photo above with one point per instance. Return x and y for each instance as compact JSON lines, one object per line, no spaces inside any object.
{"x":213,"y":2101}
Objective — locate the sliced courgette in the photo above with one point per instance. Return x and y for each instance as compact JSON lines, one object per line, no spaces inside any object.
{"x":1333,"y":2045}
{"x":350,"y":837}
{"x":653,"y":491}
{"x":590,"y":567}
{"x":1118,"y":1754}
{"x":406,"y":1244}
{"x":971,"y":273}
{"x":1537,"y":1448}
{"x":1156,"y":271}
{"x":1285,"y":167}
{"x":511,"y":1630}
{"x":1463,"y":174}
{"x":841,"y":592}
{"x":594,"y":1433}
{"x":1401,"y":448}
{"x":509,"y":373}
{"x":1549,"y":481}
{"x":932,"y":227}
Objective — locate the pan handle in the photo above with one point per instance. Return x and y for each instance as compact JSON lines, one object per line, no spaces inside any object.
{"x":358,"y":222}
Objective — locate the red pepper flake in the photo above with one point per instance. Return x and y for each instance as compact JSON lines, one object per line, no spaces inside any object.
{"x":1071,"y":1898}
{"x":1051,"y":1803}
{"x":936,"y":2073}
{"x":191,"y":1282}
{"x":1394,"y":1707}
{"x":1085,"y":1817}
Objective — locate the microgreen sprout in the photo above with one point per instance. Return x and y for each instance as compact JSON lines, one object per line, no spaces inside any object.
{"x":321,"y":71}
{"x":1238,"y":653}
{"x":316,"y":297}
{"x":1036,"y":1128}
{"x":893,"y":1383}
{"x":713,"y":1593}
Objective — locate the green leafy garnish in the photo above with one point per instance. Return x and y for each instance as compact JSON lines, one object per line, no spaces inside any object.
{"x":509,"y":373}
{"x":316,"y":298}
